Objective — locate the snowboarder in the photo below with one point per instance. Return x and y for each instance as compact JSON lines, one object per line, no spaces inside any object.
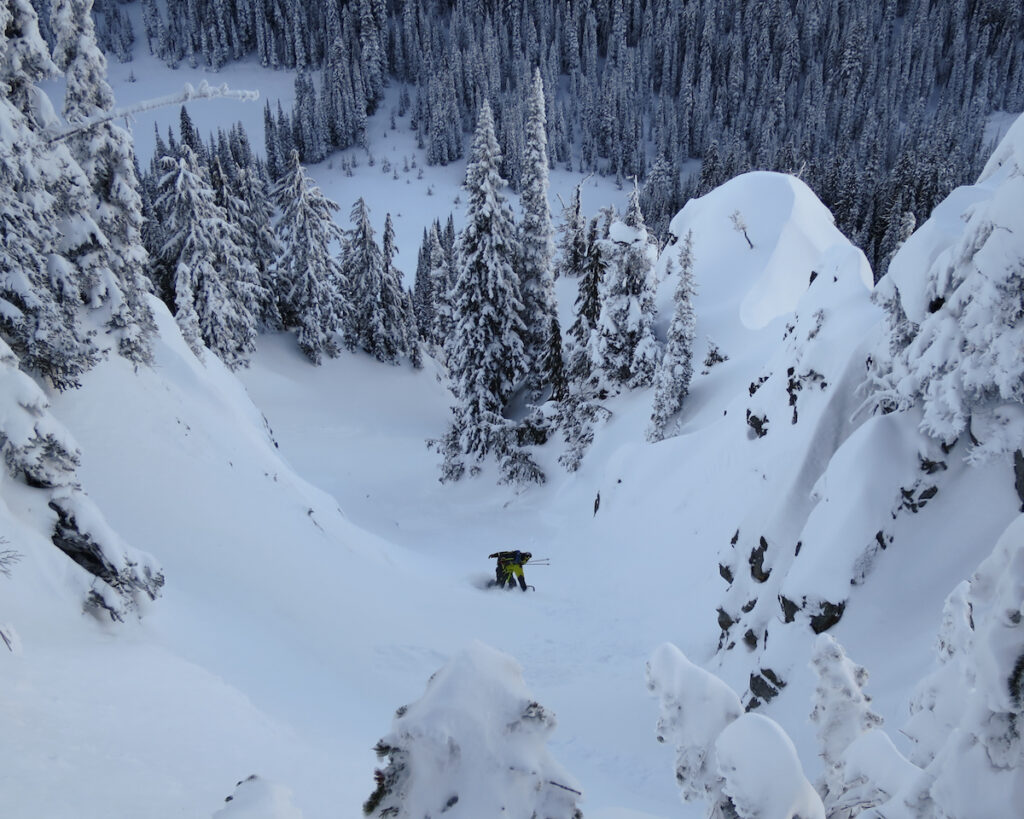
{"x":510,"y":568}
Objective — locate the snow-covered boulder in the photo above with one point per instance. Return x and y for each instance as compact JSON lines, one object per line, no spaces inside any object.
{"x":473,"y":745}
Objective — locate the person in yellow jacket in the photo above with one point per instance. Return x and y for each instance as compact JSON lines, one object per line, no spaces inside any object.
{"x":510,"y":568}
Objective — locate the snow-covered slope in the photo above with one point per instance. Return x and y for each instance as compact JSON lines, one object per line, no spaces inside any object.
{"x":317,"y":573}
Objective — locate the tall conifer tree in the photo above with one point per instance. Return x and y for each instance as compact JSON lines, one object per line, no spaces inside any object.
{"x":202,"y":250}
{"x":536,"y":249}
{"x":487,"y":356}
{"x":311,"y":296}
{"x":628,"y":351}
{"x":39,"y":289}
{"x":113,"y":254}
{"x":672,"y":382}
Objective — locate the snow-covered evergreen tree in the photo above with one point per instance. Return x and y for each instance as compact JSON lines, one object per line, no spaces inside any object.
{"x":721,"y":751}
{"x":580,"y":412}
{"x":628,"y":350}
{"x":440,"y":276}
{"x":966,"y":714}
{"x":486,"y":353}
{"x":113,"y":254}
{"x":536,"y":249}
{"x":582,"y":339}
{"x":405,"y":332}
{"x":473,"y":745}
{"x":39,"y":288}
{"x":572,"y":239}
{"x":311,"y":295}
{"x":362,"y":271}
{"x":242,"y":193}
{"x":379,"y":324}
{"x":958,"y":342}
{"x":842,"y":714}
{"x":201,"y":247}
{"x":695,"y":707}
{"x":672,"y":381}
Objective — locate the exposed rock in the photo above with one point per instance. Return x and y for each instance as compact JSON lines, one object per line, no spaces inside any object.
{"x":913,"y":500}
{"x":773,"y":678}
{"x":764,"y":687}
{"x":757,"y":570}
{"x":789,"y":609}
{"x":930,"y":467}
{"x":757,"y":423}
{"x":1018,"y":475}
{"x":725,"y":621}
{"x":828,"y":615}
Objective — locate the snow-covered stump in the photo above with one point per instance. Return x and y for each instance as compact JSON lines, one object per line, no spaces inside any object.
{"x":743,"y":765}
{"x":473,"y":745}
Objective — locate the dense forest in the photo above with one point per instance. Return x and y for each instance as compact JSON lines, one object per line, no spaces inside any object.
{"x":879,"y":106}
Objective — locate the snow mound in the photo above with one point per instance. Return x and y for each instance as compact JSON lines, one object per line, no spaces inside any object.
{"x":473,"y":745}
{"x":256,"y":798}
{"x":758,"y":238}
{"x":762,"y":772}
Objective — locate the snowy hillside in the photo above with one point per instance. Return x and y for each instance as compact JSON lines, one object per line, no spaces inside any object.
{"x":286,"y":635}
{"x":275,"y":609}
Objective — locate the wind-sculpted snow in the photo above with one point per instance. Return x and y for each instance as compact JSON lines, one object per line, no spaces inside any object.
{"x":794,"y":317}
{"x":789,"y":230}
{"x":826,"y":493}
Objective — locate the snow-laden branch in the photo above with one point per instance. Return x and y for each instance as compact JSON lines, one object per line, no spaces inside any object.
{"x":205,"y":91}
